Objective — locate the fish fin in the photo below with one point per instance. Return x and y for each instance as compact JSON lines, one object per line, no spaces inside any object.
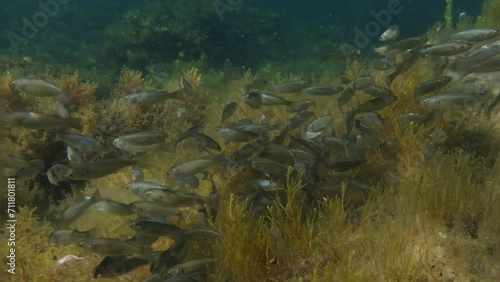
{"x":97,"y":196}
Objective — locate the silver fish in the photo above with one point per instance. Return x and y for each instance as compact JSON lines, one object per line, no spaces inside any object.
{"x":70,"y":236}
{"x":98,"y":168}
{"x":57,"y":173}
{"x":41,"y":121}
{"x":235,"y":135}
{"x":448,"y":101}
{"x":291,"y":86}
{"x":157,"y":228}
{"x":192,"y":268}
{"x":475,"y":34}
{"x":228,"y":111}
{"x":390,"y":34}
{"x":475,"y":57}
{"x":490,"y":65}
{"x":299,"y":106}
{"x":150,"y":97}
{"x":36,"y":87}
{"x":81,"y":143}
{"x":431,"y":85}
{"x":113,"y":247}
{"x":446,"y":49}
{"x":72,"y":213}
{"x":323,"y":90}
{"x":194,"y":166}
{"x":320,"y":123}
{"x":141,"y":142}
{"x":141,"y":187}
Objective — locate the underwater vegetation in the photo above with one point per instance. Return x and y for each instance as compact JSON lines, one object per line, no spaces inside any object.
{"x":387,"y":174}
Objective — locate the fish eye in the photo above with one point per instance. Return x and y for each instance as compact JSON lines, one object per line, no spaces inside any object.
{"x":80,"y":244}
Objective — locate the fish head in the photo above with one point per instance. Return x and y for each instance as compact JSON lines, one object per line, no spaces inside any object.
{"x":174,"y":172}
{"x":86,"y":245}
{"x":253,"y":99}
{"x":118,"y":143}
{"x":16,"y":86}
{"x":131,"y":99}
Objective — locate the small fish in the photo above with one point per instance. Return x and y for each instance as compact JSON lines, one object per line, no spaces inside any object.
{"x":192,"y":268}
{"x":228,"y":111}
{"x":113,"y":247}
{"x":291,"y":86}
{"x":378,"y":91}
{"x":235,"y":135}
{"x":257,"y":84}
{"x":113,"y":207}
{"x":475,"y":34}
{"x":361,"y":83}
{"x":76,"y":157}
{"x":323,"y":90}
{"x":299,"y":119}
{"x":344,"y":98}
{"x":390,"y":34}
{"x":157,"y":228}
{"x":114,"y":266}
{"x":36,"y":87}
{"x":72,"y":213}
{"x":141,"y":142}
{"x":372,"y":105}
{"x":320,"y":123}
{"x":431,"y":85}
{"x":191,"y":167}
{"x":299,"y":106}
{"x":409,"y":43}
{"x":408,"y":61}
{"x":57,"y":173}
{"x":269,"y":167}
{"x":448,"y":101}
{"x":205,"y":234}
{"x":446,"y":49}
{"x":41,"y":121}
{"x":70,"y":236}
{"x":149,"y":98}
{"x":487,"y":66}
{"x":83,"y":144}
{"x":477,"y":56}
{"x":200,"y":140}
{"x":258,"y":128}
{"x":98,"y":169}
{"x":255,"y":100}
{"x":141,"y":187}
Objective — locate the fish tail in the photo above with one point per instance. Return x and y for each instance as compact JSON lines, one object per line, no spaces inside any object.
{"x":97,"y":196}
